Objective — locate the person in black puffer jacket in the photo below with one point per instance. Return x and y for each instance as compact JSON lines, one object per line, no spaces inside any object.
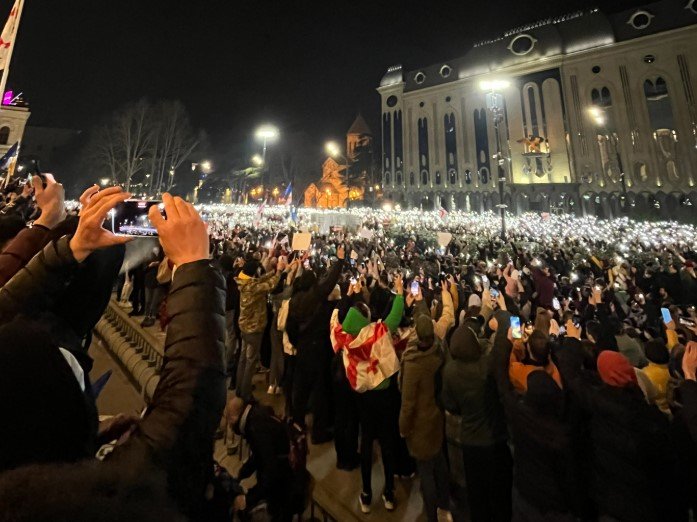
{"x":173,"y":443}
{"x":308,"y":330}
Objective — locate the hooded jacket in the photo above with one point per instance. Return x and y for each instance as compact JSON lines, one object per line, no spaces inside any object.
{"x":421,"y":421}
{"x":253,"y":294}
{"x":469,"y":390}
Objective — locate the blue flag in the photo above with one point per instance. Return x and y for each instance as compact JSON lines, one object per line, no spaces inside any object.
{"x":9,"y":156}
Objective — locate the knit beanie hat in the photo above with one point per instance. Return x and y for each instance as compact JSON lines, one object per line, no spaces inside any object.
{"x":424,"y":330}
{"x":615,"y":369}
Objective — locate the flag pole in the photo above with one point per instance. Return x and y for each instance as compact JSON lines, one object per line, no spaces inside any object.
{"x":6,"y":69}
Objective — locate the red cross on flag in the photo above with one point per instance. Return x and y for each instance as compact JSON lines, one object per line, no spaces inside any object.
{"x":8,"y":34}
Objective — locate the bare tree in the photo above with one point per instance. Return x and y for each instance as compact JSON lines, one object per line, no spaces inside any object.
{"x":132,"y":133}
{"x":142,"y":139}
{"x":172,"y":142}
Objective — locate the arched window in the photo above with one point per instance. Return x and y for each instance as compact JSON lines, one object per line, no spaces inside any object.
{"x":606,"y":132}
{"x":452,"y":177}
{"x":423,"y":145}
{"x":450,"y":144}
{"x":387,"y":178}
{"x":398,"y":147}
{"x":424,"y":177}
{"x":663,"y":126}
{"x":468,"y":176}
{"x":438,"y":180}
{"x":412,"y":179}
{"x":4,"y":135}
{"x":399,"y":178}
{"x":386,"y":141}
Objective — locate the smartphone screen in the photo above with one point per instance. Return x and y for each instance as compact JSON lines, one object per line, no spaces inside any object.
{"x":352,"y":281}
{"x":555,"y":304}
{"x":666,"y":315}
{"x":414,"y":288}
{"x":130,"y":218}
{"x":515,"y":327}
{"x":494,"y":293}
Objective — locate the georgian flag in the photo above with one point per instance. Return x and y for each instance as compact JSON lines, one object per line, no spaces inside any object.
{"x":442,"y":213}
{"x":369,"y":358}
{"x":8,"y":34}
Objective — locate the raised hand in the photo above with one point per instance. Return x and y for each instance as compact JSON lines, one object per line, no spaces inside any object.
{"x":50,"y":199}
{"x":398,"y":284}
{"x":340,"y":251}
{"x":183,"y":235}
{"x":90,"y":235}
{"x":689,"y":361}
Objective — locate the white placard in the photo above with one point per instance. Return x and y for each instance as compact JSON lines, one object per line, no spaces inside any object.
{"x":444,"y":239}
{"x":302,"y":240}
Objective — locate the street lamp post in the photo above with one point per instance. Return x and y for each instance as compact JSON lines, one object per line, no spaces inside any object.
{"x":334,"y":151}
{"x":495,"y":104}
{"x":267,"y":134}
{"x":600,"y":119}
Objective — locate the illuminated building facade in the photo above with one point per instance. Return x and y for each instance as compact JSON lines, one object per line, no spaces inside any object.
{"x":600,"y":117}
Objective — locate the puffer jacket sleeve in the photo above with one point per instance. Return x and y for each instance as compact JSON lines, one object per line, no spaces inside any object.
{"x":176,"y":433}
{"x":36,"y":287}
{"x":20,"y":250}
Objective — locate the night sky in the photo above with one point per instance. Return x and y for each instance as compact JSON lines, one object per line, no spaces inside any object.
{"x":303,"y":65}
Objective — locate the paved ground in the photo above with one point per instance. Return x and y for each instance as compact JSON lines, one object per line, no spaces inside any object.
{"x":334,"y":488}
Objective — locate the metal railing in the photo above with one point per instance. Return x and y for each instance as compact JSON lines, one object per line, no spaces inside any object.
{"x":137,"y":351}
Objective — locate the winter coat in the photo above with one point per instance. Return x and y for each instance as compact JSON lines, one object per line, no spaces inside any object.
{"x":175,"y":436}
{"x":253,"y":295}
{"x":421,"y":421}
{"x":520,"y":368}
{"x":21,"y":249}
{"x":269,"y":446}
{"x":544,"y":286}
{"x":545,"y":471}
{"x":469,"y":390}
{"x":308,"y":322}
{"x":630,"y":443}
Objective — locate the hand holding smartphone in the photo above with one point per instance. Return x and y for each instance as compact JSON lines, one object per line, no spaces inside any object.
{"x":516,"y":331}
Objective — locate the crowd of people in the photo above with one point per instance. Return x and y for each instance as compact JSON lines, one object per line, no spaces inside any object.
{"x":549,"y":376}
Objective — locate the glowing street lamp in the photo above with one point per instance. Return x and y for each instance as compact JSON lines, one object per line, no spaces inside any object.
{"x":266,"y":134}
{"x":334,"y":151}
{"x":495,"y":104}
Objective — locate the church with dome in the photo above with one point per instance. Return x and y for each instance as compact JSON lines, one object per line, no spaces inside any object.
{"x":345,"y":179}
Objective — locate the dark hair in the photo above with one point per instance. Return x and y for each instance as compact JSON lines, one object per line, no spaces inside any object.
{"x":656,"y":351}
{"x":538,"y":344}
{"x":593,"y":329}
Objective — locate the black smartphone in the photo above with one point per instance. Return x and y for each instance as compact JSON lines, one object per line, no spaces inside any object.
{"x":130,"y":218}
